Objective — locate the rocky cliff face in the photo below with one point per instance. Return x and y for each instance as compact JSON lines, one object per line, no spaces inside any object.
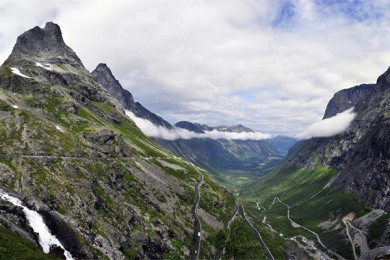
{"x":104,"y":76}
{"x":362,"y":153}
{"x":68,"y":150}
{"x":347,"y":98}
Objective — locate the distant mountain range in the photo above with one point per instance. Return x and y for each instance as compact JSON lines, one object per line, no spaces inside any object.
{"x":222,"y":157}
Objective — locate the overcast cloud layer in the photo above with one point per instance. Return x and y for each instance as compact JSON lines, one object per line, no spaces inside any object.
{"x":271,"y":65}
{"x":151,"y":130}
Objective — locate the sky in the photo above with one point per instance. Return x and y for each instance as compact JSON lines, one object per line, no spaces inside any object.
{"x":271,"y":65}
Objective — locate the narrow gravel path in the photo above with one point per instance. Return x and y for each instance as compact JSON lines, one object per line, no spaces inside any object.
{"x":350,"y":239}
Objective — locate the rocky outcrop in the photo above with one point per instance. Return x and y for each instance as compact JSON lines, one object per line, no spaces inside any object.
{"x":66,"y":235}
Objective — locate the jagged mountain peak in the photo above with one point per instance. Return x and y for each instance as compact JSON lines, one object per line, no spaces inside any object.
{"x":104,"y":76}
{"x":43,"y":44}
{"x":102,"y":67}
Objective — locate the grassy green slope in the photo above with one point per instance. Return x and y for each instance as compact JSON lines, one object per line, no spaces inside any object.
{"x":13,"y":246}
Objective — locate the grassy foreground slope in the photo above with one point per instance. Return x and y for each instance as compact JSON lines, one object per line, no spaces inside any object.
{"x":13,"y":246}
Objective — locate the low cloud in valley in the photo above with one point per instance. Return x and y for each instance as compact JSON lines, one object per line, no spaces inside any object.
{"x":151,"y":130}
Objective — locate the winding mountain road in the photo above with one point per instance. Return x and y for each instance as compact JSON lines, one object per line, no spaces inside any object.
{"x":263,"y":246}
{"x":50,"y":157}
{"x":296,"y":225}
{"x":198,"y":226}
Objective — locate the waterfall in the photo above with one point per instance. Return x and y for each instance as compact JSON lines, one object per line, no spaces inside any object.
{"x":46,"y":239}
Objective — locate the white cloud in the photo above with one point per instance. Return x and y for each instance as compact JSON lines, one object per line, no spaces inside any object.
{"x":176,"y":56}
{"x":236,"y":136}
{"x":329,"y":126}
{"x":151,"y":130}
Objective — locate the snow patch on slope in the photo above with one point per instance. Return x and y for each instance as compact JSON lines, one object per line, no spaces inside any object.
{"x":16,"y":71}
{"x":45,"y":66}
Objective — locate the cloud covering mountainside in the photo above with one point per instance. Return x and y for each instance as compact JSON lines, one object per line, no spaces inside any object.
{"x":330,"y":126}
{"x":151,"y":130}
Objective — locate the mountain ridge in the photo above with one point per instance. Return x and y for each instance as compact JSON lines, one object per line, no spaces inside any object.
{"x":200,"y":128}
{"x":69,"y":151}
{"x":104,"y":76}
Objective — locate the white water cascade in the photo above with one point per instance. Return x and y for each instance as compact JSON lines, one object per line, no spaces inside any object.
{"x":46,"y":239}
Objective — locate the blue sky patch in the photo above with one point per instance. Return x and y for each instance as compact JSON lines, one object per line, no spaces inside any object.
{"x":285,"y":15}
